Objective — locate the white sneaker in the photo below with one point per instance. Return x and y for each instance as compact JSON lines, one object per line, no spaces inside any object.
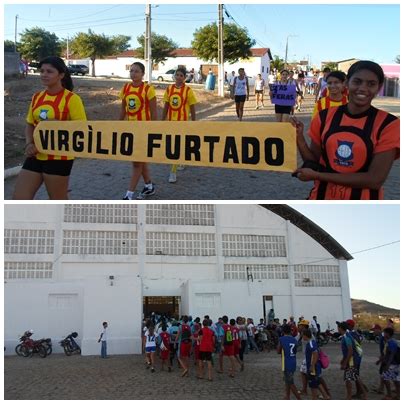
{"x":172,"y":178}
{"x":180,"y":168}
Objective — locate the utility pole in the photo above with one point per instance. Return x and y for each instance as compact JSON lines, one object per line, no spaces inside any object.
{"x":67,"y":49}
{"x":147,"y":47}
{"x":220,"y":81}
{"x":286,"y":50}
{"x":15,"y":33}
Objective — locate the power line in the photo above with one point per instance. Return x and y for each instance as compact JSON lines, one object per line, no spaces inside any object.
{"x":357,"y":252}
{"x":79,"y":24}
{"x":75,"y":18}
{"x":232,"y":18}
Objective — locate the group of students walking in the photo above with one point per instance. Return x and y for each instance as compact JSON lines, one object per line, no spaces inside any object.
{"x":204,"y":341}
{"x":208,"y":342}
{"x":352,"y":149}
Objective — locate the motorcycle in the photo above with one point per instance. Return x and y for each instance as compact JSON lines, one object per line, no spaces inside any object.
{"x":323,"y":338}
{"x":371,"y":336}
{"x":28,"y":346}
{"x":335,"y":336}
{"x":47,"y":343}
{"x":69,"y":345}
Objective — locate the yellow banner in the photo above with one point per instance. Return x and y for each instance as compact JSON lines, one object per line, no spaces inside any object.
{"x":247,"y":145}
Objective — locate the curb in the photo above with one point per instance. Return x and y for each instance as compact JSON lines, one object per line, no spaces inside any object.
{"x":14,"y":171}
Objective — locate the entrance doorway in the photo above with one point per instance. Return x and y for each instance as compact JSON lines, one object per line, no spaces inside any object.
{"x":267,"y":304}
{"x":169,"y":305}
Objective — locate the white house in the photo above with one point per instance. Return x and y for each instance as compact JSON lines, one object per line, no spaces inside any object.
{"x":119,"y":65}
{"x":71,"y":267}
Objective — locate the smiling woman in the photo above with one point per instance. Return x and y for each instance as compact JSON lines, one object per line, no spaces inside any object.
{"x":352,"y":146}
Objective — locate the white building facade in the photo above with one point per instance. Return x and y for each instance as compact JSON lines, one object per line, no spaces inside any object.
{"x":71,"y":267}
{"x":119,"y":65}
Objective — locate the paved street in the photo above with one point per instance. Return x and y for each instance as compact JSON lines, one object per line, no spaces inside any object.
{"x":125,"y":377}
{"x":108,"y":180}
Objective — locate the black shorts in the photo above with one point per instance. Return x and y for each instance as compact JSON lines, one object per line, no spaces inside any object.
{"x":314,"y":381}
{"x":240,"y":98}
{"x":283,"y":109}
{"x":259,"y":91}
{"x":50,"y":167}
{"x":205,"y":356}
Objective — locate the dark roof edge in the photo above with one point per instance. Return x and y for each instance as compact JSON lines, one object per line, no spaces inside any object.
{"x":311,"y":228}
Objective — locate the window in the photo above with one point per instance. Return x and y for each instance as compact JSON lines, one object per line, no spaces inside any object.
{"x":244,"y":245}
{"x":258,"y":271}
{"x":99,"y":242}
{"x":18,"y":241}
{"x":186,"y":244}
{"x":28,"y":270}
{"x":192,"y":215}
{"x":317,"y":275}
{"x":126,"y":214}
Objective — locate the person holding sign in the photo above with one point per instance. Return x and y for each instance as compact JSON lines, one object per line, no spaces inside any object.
{"x":336,"y":82}
{"x":353,"y":146}
{"x":56,"y":102}
{"x":179,"y":101}
{"x":283,"y":95}
{"x":138,"y":104}
{"x":241,"y":92}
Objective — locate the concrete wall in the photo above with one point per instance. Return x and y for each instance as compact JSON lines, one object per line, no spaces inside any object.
{"x":52,"y":310}
{"x":11,"y":63}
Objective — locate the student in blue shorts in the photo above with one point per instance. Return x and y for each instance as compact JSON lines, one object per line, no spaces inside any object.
{"x":287,"y":347}
{"x":391,"y":364}
{"x":313,"y":365}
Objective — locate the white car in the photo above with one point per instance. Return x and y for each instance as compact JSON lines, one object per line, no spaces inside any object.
{"x":167,"y":76}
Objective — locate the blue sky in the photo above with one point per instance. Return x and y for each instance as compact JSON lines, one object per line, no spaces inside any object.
{"x":323,"y":32}
{"x":373,"y":275}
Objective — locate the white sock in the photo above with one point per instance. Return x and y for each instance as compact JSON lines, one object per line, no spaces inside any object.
{"x":149,"y":185}
{"x":129,"y":194}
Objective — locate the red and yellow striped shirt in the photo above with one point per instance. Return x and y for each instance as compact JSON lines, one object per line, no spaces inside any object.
{"x":63,"y":106}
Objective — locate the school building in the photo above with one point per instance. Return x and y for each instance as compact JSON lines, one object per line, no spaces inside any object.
{"x":70,"y":267}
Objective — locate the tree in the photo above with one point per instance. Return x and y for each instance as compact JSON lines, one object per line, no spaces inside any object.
{"x":397,"y":59}
{"x":162,"y":47}
{"x":36,"y":44}
{"x":93,"y":46}
{"x":277,"y":63}
{"x":236,"y":43}
{"x":332,"y":66}
{"x":9,"y":46}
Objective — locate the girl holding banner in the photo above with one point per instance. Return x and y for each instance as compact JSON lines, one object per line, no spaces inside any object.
{"x":179,"y":102}
{"x":283,"y":95}
{"x":353,"y":146}
{"x":56,"y":102}
{"x":138,"y":104}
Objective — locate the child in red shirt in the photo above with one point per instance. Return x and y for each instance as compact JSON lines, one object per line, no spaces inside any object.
{"x":206,"y":347}
{"x":164,"y":347}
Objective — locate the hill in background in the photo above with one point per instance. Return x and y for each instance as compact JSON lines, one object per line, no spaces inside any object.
{"x":363,"y":306}
{"x":366,"y":314}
